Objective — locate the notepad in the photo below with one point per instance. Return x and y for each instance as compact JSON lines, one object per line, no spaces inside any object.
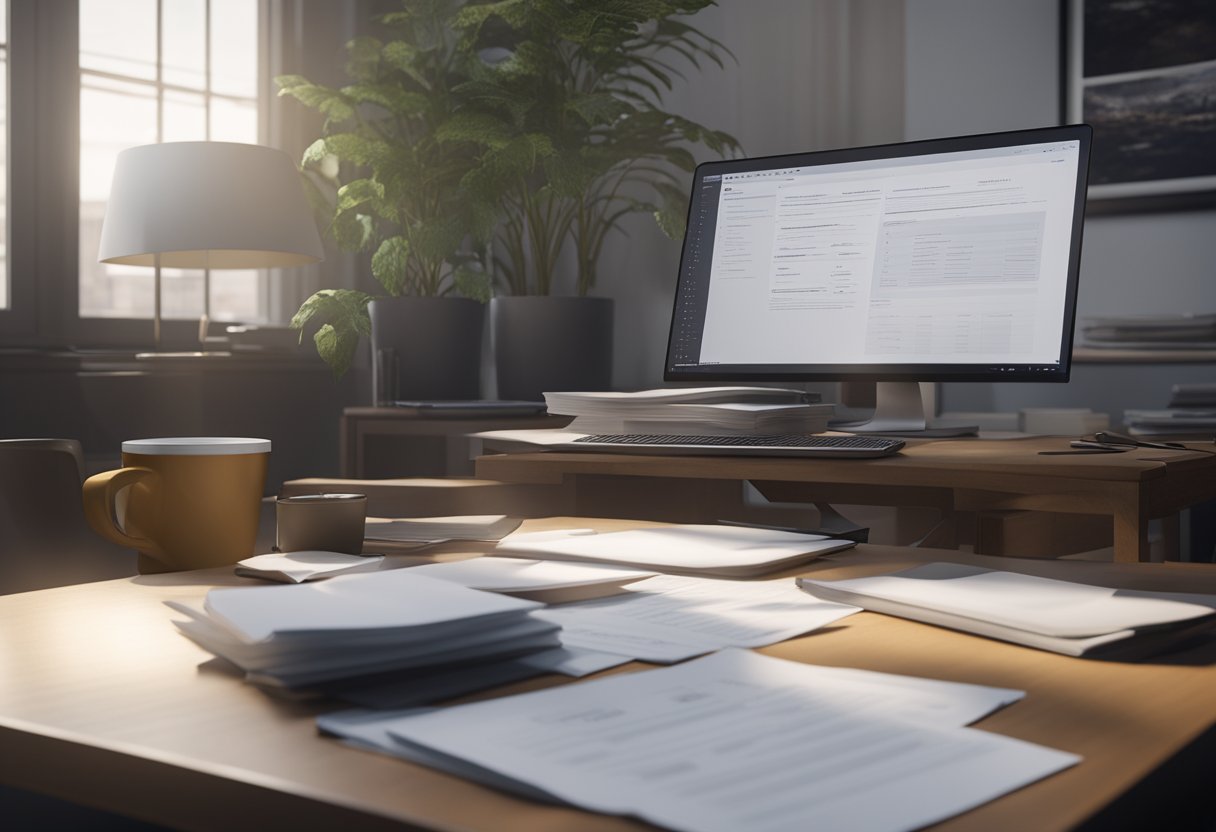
{"x":725,"y":551}
{"x":1061,"y":616}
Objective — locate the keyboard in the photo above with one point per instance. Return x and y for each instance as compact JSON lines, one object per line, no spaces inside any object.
{"x":835,"y":447}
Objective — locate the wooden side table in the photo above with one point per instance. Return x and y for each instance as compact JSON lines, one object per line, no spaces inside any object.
{"x":976,"y":476}
{"x":435,"y":446}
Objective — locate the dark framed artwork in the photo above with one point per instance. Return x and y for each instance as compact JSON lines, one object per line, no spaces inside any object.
{"x":1143,"y":74}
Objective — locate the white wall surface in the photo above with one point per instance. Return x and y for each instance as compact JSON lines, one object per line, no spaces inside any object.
{"x":808,"y":74}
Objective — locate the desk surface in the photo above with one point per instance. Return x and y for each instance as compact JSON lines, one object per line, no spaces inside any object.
{"x":959,"y":474}
{"x":103,"y":703}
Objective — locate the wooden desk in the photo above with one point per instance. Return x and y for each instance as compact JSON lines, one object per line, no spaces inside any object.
{"x":103,"y":703}
{"x":448,"y":434}
{"x":969,"y":475}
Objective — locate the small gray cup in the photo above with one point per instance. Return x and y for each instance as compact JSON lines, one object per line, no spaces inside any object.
{"x":321,"y":522}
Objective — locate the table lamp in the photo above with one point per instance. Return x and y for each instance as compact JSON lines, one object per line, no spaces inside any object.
{"x":207,"y":205}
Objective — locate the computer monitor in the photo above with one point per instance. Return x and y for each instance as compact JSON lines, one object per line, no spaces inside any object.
{"x":945,"y":260}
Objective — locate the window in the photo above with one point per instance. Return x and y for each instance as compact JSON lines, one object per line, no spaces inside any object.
{"x":152,"y":71}
{"x":4,"y":293}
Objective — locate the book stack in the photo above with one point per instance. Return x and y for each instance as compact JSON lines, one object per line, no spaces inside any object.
{"x":304,"y":635}
{"x":1182,"y":331}
{"x":1177,"y":421}
{"x":1060,"y":616}
{"x":1191,"y":410}
{"x":696,"y":411}
{"x":1193,"y":395}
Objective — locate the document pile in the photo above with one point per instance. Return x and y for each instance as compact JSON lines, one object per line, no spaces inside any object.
{"x":728,"y":742}
{"x":724,"y":551}
{"x":697,"y":411}
{"x":1186,"y":330}
{"x":359,"y":625}
{"x":424,"y":530}
{"x":1060,"y":616}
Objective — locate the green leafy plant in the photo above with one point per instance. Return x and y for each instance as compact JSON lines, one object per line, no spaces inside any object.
{"x":389,"y":184}
{"x":480,"y":139}
{"x":566,"y":106}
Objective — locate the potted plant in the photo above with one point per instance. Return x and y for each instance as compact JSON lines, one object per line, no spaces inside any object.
{"x":391,"y":186}
{"x":565,"y":104}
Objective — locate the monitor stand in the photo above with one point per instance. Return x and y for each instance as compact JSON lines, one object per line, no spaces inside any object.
{"x":900,"y":411}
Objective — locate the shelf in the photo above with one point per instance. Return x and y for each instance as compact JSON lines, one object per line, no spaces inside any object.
{"x":1092,"y":355}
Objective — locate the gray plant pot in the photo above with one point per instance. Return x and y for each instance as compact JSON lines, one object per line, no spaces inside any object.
{"x":426,"y":348}
{"x":551,"y":343}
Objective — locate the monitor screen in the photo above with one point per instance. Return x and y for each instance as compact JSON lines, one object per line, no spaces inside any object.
{"x":945,"y":260}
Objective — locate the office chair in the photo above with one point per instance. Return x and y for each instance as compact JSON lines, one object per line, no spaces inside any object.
{"x":44,"y":539}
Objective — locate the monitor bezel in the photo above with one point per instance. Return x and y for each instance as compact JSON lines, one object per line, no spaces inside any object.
{"x":1061,"y":372}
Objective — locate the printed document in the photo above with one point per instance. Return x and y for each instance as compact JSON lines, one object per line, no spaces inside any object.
{"x":732,"y":741}
{"x":670,"y":618}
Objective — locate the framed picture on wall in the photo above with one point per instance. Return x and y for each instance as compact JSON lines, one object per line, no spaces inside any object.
{"x":1143,"y":73}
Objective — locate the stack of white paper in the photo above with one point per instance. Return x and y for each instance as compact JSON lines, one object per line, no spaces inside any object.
{"x":357,"y":625}
{"x":1061,"y":616}
{"x":726,"y":419}
{"x":643,"y":401}
{"x":439,"y":529}
{"x":727,"y":551}
{"x":732,"y":741}
{"x":693,"y":411}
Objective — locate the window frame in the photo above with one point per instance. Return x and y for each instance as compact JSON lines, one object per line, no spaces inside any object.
{"x":44,"y":132}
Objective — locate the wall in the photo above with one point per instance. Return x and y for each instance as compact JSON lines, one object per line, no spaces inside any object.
{"x":982,"y":65}
{"x":808,"y":74}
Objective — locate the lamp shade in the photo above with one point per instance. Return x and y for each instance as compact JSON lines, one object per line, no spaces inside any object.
{"x":216,"y":205}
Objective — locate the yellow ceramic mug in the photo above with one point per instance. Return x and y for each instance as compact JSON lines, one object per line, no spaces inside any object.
{"x":183,"y":503}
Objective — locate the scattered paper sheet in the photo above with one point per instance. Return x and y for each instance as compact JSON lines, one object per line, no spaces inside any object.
{"x":729,"y":551}
{"x":520,"y":575}
{"x":732,"y":741}
{"x":297,"y":567}
{"x":540,"y":437}
{"x":670,"y":618}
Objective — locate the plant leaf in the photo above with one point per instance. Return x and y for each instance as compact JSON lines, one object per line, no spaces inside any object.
{"x":390,"y":263}
{"x":353,"y":194}
{"x":344,"y":318}
{"x":473,"y":283}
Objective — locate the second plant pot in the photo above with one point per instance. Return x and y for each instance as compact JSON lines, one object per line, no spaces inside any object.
{"x":544,"y":343}
{"x":426,"y":348}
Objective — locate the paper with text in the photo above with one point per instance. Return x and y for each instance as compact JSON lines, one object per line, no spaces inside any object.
{"x":737,"y":741}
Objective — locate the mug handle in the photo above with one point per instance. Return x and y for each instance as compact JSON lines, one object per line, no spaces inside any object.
{"x":99,"y":493}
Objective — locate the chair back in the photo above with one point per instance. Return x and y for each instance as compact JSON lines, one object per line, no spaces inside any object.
{"x":44,"y":539}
